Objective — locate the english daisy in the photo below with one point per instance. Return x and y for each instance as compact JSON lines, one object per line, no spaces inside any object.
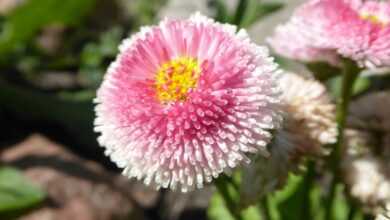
{"x":356,"y":29}
{"x":186,"y":100}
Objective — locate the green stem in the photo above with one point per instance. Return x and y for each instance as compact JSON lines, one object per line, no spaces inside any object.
{"x":352,"y":212}
{"x":222,"y":185}
{"x":350,"y":73}
{"x":368,"y":217}
{"x":265,"y":209}
{"x":308,"y":184}
{"x":240,"y":12}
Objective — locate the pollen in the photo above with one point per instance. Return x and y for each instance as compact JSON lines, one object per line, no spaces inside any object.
{"x":375,"y":19}
{"x":176,"y":78}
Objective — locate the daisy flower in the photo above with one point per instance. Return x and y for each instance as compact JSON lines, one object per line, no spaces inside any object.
{"x":356,"y":29}
{"x":368,"y":181}
{"x":384,"y":216}
{"x":185,"y":101}
{"x":310,"y":114}
{"x":366,"y":158}
{"x":309,"y":124}
{"x":289,"y":42}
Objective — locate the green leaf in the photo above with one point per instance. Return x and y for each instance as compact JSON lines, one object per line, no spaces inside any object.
{"x":16,"y":193}
{"x":251,"y":213}
{"x":361,"y":85}
{"x":340,"y":206}
{"x":249,"y":11}
{"x":143,"y":12}
{"x":289,"y":203}
{"x":26,"y":20}
{"x":110,"y":40}
{"x":217,"y":210}
{"x":91,"y":77}
{"x":92,"y":65}
{"x":74,"y":112}
{"x":323,"y":71}
{"x":257,"y":11}
{"x":94,"y":53}
{"x":91,"y":56}
{"x":222,"y":14}
{"x":267,"y":8}
{"x":299,"y":199}
{"x":246,"y":12}
{"x":298,"y":196}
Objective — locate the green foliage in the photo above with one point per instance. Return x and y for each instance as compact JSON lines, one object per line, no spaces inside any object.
{"x":333,"y":77}
{"x":92,"y":66}
{"x":301,"y":198}
{"x":298,"y":201}
{"x":222,"y":13}
{"x":257,"y":10}
{"x":247,"y":12}
{"x":323,"y":71}
{"x":296,"y":196}
{"x":361,"y":85}
{"x":26,"y":20}
{"x":141,"y":12}
{"x":218,"y":210}
{"x":16,"y":193}
{"x":74,"y":111}
{"x":340,"y":206}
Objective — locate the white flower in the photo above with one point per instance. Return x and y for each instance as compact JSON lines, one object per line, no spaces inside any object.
{"x":366,"y":159}
{"x":309,"y":124}
{"x":310,"y":114}
{"x":369,"y":181}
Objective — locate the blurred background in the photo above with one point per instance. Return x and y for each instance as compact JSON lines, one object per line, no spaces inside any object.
{"x":53,"y":56}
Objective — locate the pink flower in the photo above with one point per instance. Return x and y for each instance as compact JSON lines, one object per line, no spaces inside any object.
{"x":291,"y":43}
{"x":356,"y":29}
{"x":185,"y":101}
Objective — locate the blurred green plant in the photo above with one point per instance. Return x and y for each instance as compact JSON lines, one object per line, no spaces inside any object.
{"x":299,"y":199}
{"x":218,"y":211}
{"x":26,"y":20}
{"x":73,"y":111}
{"x":93,"y":55}
{"x":323,"y":71}
{"x":246,"y":13}
{"x":141,"y":11}
{"x":17,"y":194}
{"x":362,"y":84}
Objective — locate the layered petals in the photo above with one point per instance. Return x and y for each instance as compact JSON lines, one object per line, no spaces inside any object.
{"x":359,"y":30}
{"x":186,"y":100}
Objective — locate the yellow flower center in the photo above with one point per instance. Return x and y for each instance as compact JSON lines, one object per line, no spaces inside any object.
{"x":375,"y":19}
{"x":176,"y":78}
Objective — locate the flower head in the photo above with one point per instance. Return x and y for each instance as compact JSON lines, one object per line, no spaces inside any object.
{"x":310,"y":114}
{"x":356,"y":29}
{"x":309,"y":124}
{"x":185,"y":101}
{"x":367,"y":143}
{"x":382,"y":217}
{"x":385,"y":215}
{"x":368,"y":181}
{"x":289,"y":42}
